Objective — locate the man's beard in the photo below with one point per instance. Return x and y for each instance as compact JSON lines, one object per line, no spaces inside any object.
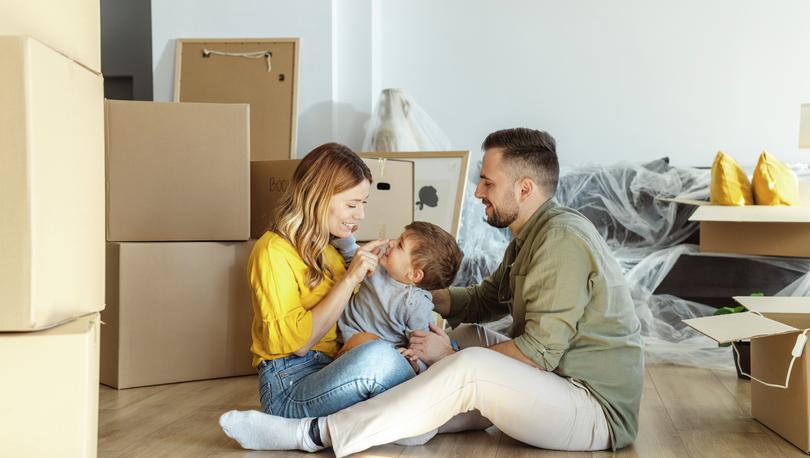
{"x":502,"y":218}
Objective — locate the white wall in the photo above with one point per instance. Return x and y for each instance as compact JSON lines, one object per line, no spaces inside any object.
{"x":621,"y":80}
{"x":309,"y":20}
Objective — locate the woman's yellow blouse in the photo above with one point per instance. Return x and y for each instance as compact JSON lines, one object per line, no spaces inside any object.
{"x":282,"y":321}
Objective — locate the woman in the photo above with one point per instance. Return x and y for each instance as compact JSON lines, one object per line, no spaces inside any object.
{"x":300,"y":287}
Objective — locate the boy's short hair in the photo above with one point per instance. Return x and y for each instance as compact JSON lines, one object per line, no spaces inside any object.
{"x":436,"y":253}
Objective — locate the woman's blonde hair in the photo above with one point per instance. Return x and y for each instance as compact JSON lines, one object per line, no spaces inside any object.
{"x":302,"y":215}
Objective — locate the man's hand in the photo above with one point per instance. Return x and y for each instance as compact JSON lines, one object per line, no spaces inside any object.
{"x":430,"y":346}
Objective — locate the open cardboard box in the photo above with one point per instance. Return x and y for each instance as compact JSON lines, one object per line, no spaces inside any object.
{"x":773,"y":324}
{"x":754,"y":229}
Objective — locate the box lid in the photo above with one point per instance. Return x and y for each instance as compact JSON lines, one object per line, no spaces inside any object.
{"x":738,"y":326}
{"x":750,"y":213}
{"x":774,"y":304}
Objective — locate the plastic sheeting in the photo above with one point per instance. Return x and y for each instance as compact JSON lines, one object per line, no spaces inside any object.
{"x":400,"y":124}
{"x":623,"y":203}
{"x":646,"y":235}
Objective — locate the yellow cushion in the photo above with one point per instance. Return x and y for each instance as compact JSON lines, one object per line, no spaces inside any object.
{"x":774,"y":183}
{"x":730,"y":185}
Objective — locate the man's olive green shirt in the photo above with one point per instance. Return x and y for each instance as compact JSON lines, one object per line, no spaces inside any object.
{"x":572,"y":311}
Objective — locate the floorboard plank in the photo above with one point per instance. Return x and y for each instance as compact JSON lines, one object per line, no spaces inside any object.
{"x":657,"y":435}
{"x":712,"y":444}
{"x":697,"y":400}
{"x":684,"y":412}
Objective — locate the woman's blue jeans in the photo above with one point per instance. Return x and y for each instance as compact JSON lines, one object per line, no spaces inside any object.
{"x":314,"y":385}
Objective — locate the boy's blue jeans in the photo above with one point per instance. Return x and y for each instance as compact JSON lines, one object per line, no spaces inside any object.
{"x":314,"y":385}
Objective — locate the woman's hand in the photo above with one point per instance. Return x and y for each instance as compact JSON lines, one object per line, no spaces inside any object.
{"x":430,"y":346}
{"x":365,"y":261}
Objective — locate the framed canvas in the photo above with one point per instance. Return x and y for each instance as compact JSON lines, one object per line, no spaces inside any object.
{"x":440,"y":178}
{"x":262,"y":72}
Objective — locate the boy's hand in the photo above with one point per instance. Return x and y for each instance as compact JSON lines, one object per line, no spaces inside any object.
{"x":412,"y":359}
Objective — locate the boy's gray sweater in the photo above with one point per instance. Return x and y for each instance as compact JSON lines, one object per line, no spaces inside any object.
{"x":384,"y":306}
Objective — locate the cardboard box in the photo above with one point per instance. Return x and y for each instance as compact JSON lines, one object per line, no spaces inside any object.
{"x":50,"y":391}
{"x":754,"y":229}
{"x":72,"y":27}
{"x":176,"y":312}
{"x":52,"y":187}
{"x":390,"y":201}
{"x":177,"y":171}
{"x":773,"y":334}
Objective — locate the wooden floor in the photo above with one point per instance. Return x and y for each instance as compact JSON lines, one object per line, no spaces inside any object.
{"x":684,"y":412}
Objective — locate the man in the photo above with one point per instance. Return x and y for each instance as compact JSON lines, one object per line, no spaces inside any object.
{"x":570,"y":379}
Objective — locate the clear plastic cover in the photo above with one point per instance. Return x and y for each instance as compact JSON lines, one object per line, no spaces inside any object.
{"x":646,"y":234}
{"x":400,"y":124}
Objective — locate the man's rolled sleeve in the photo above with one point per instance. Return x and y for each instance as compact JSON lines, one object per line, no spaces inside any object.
{"x":555,"y":292}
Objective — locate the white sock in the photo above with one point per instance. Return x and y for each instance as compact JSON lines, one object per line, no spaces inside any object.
{"x":421,"y":439}
{"x":259,"y":431}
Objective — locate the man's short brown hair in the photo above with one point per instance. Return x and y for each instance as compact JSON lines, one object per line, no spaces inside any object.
{"x":528,"y":153}
{"x":436,"y":253}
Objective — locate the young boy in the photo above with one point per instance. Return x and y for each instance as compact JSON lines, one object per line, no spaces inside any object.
{"x":395,"y":299}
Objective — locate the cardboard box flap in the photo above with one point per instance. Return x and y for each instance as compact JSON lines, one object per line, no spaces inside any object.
{"x":775,"y":305}
{"x":804,"y":197}
{"x":390,"y":200}
{"x":738,"y":326}
{"x":752,"y":214}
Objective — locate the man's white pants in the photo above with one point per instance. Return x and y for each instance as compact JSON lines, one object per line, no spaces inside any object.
{"x":533,"y":406}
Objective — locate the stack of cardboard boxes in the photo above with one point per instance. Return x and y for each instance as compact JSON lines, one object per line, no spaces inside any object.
{"x":52,"y":226}
{"x":180,"y":187}
{"x":178,"y":227}
{"x":178,"y":224}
